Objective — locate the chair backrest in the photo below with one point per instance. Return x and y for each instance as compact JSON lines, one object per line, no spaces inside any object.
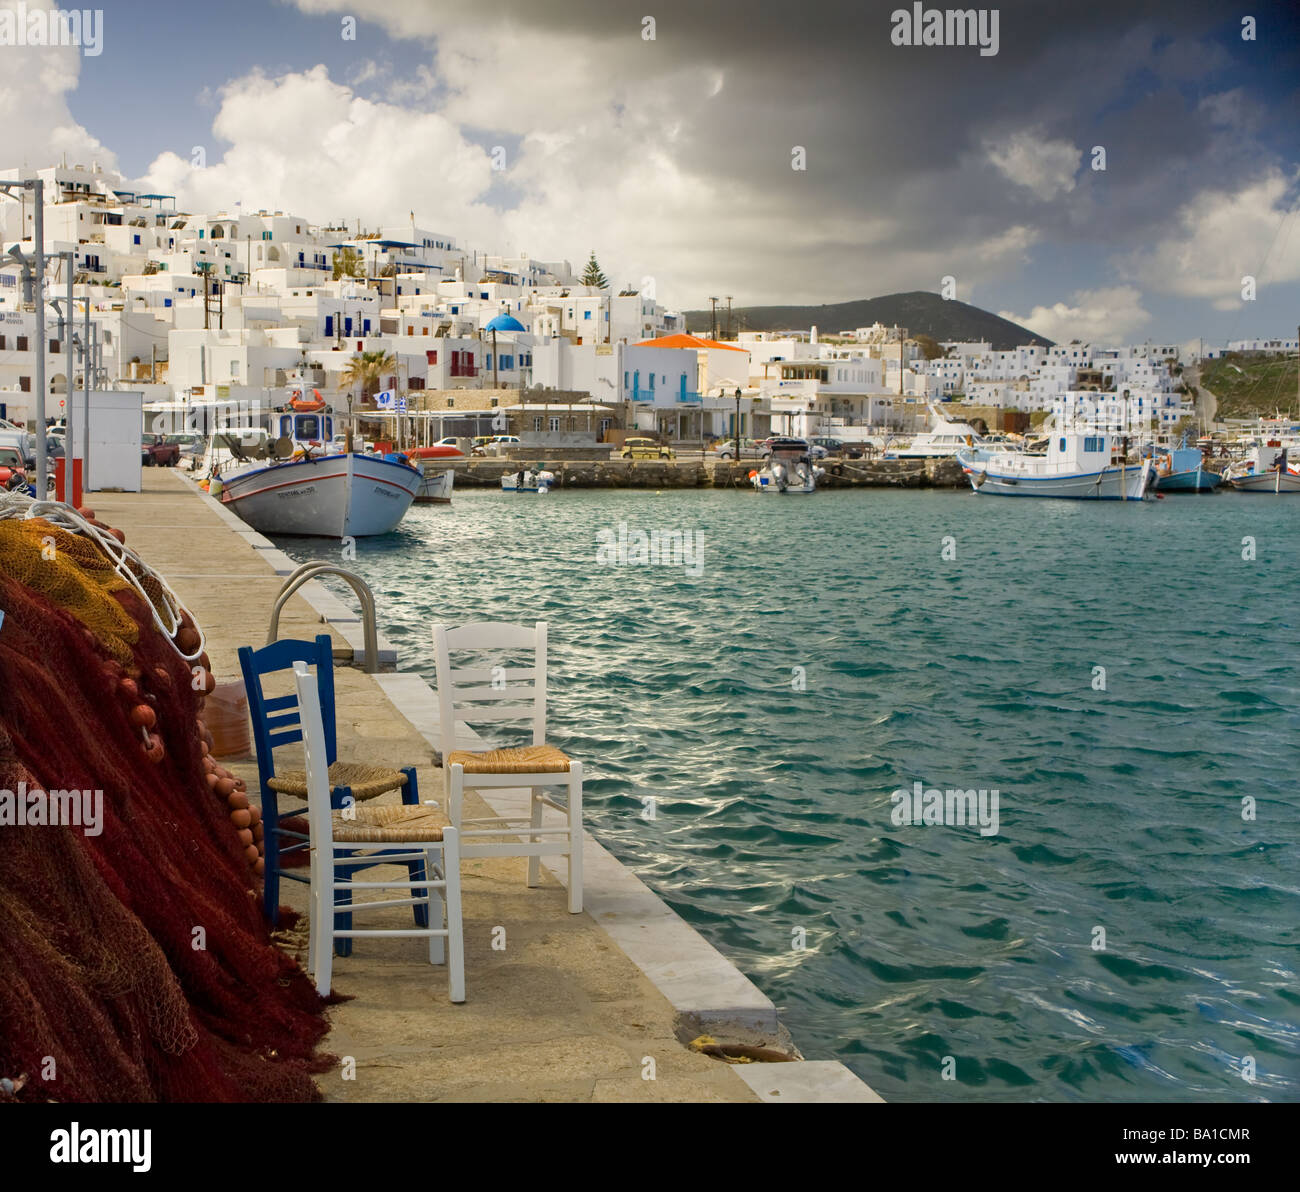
{"x":319,"y":813}
{"x":475,"y":694}
{"x":276,"y":719}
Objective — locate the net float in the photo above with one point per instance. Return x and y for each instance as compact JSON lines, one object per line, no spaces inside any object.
{"x":143,"y":716}
{"x":155,"y":750}
{"x":241,"y":819}
{"x":225,"y":787}
{"x":252,"y":854}
{"x":238,"y":801}
{"x":245,"y":837}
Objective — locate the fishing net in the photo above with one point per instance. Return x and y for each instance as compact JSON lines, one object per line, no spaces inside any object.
{"x":134,"y":963}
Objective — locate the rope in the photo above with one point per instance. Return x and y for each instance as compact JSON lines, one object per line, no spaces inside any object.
{"x":128,"y":565}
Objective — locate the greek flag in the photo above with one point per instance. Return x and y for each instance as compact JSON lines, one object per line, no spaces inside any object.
{"x":401,"y":404}
{"x":384,"y":399}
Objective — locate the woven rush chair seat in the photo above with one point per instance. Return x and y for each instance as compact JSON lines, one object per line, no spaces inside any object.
{"x":365,"y":781}
{"x":387,"y":825}
{"x":527,"y":759}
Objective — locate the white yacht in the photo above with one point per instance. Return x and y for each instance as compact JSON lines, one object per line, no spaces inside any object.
{"x":945,"y":438}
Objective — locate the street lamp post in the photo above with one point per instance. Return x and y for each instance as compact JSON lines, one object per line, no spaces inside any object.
{"x":37,"y":266}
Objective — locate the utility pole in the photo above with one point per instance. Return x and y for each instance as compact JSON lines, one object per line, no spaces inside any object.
{"x":728,"y":332}
{"x":713,"y":319}
{"x":87,"y":367}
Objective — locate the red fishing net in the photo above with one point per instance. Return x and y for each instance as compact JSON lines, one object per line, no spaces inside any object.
{"x":134,"y":964}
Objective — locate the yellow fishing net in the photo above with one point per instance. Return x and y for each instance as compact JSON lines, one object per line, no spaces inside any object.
{"x":72,"y":573}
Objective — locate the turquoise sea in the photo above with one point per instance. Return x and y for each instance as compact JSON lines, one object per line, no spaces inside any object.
{"x":1132,"y":930}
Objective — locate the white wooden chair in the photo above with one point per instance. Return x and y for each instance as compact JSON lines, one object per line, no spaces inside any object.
{"x":366,"y":824}
{"x":471,"y":695}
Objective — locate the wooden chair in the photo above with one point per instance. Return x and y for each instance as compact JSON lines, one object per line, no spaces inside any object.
{"x":276,"y":723}
{"x":337,"y":834}
{"x":472,"y":695}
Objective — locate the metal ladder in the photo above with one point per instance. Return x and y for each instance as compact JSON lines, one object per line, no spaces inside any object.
{"x":310,"y":571}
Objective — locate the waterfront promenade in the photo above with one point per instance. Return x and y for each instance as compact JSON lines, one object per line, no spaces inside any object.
{"x":563,"y":1012}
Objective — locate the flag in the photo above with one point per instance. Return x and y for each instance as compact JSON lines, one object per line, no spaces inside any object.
{"x":384,"y":399}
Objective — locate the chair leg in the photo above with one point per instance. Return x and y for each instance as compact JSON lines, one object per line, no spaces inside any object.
{"x":455,"y":928}
{"x":420,"y":871}
{"x":342,"y":920}
{"x":323,"y":924}
{"x":435,"y":909}
{"x":271,"y":857}
{"x":411,"y":791}
{"x":455,"y":784}
{"x":575,"y":838}
{"x":535,"y":862}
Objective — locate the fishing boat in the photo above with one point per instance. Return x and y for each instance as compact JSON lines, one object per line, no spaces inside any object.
{"x":1264,"y":470}
{"x":1076,"y":465}
{"x":528,"y":480}
{"x":438,"y":475}
{"x":788,"y":469}
{"x":1183,"y":470}
{"x":308,"y":482}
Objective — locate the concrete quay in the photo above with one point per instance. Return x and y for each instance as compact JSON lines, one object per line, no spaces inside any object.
{"x":590,"y":1007}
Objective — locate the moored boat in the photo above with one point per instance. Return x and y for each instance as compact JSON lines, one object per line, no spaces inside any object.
{"x":788,"y":469}
{"x":308,"y":482}
{"x":1076,"y":466}
{"x":1183,"y":470}
{"x":528,"y":480}
{"x":1265,"y":469}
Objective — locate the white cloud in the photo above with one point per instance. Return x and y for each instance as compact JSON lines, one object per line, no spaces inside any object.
{"x":34,"y":85}
{"x":1044,"y":166}
{"x":1223,"y":237}
{"x":1112,"y":315}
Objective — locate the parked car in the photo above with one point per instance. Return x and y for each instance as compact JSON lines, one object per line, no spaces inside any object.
{"x":13,"y":468}
{"x":838,"y":447}
{"x":485,"y":443}
{"x":639,"y":448}
{"x":160,"y":453}
{"x":749,"y":449}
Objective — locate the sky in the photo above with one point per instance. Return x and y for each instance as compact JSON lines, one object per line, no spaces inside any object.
{"x":664,"y":135}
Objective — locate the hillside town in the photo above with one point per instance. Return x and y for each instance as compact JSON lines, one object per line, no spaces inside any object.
{"x":198,"y":307}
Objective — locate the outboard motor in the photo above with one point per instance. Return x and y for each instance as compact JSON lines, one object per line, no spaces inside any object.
{"x":780,"y":476}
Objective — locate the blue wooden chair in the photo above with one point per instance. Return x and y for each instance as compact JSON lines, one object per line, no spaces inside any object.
{"x":276,"y":722}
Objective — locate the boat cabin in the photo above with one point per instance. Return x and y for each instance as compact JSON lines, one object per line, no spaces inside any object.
{"x":306,"y":428}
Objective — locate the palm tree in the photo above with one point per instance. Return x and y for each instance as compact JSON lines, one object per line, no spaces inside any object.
{"x":365,"y":370}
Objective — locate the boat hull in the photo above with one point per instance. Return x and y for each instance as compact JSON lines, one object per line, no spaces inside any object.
{"x":331,"y":496}
{"x":435,"y":487}
{"x":1267,"y":482}
{"x":1195,"y":481}
{"x":1109,"y":484}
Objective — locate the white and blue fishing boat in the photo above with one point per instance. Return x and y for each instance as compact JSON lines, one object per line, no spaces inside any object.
{"x":1183,"y":470}
{"x":301,"y":479}
{"x":1080,"y":466}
